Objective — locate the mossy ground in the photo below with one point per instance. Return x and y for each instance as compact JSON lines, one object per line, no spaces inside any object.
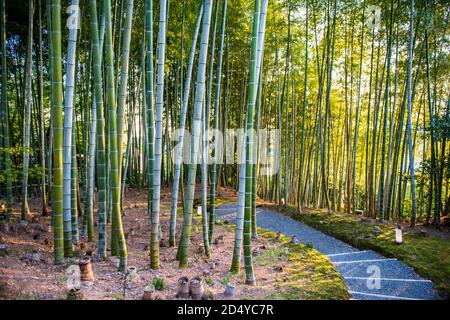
{"x":310,"y":275}
{"x":307,"y":274}
{"x":427,"y":254}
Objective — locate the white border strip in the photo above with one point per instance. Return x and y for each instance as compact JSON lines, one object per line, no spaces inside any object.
{"x":390,"y":279}
{"x":346,"y":253}
{"x":382,"y":296}
{"x":363,"y":261}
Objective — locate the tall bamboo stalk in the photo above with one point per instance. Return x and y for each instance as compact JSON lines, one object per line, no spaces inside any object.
{"x":68,"y":115}
{"x":179,"y":150}
{"x":154,"y":240}
{"x":217,"y":150}
{"x":57,"y":132}
{"x":124,"y":80}
{"x":27,"y":113}
{"x":149,"y":87}
{"x":111,"y":102}
{"x":4,"y":112}
{"x":409,"y":116}
{"x":195,"y":137}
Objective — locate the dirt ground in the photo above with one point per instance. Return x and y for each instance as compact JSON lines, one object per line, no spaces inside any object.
{"x":22,"y":277}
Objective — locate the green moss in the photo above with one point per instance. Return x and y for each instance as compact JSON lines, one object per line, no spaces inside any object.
{"x":428,"y":255}
{"x":308,"y":273}
{"x":271,"y":256}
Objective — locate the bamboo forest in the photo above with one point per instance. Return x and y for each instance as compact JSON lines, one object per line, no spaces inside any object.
{"x":224,"y":150}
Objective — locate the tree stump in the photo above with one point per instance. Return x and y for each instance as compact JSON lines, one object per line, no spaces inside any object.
{"x":183,"y":288}
{"x":86,"y":269}
{"x":196,"y":288}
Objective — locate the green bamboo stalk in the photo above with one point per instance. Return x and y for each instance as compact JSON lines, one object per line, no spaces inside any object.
{"x":249,"y":140}
{"x":57,"y":132}
{"x":409,"y":116}
{"x":27,"y":115}
{"x":305,"y":103}
{"x":195,"y":137}
{"x":150,"y":101}
{"x":381,"y":196}
{"x":179,"y":151}
{"x":5,"y":113}
{"x":74,"y":185}
{"x":154,"y":240}
{"x":124,"y":80}
{"x":68,"y":115}
{"x":100,"y":123}
{"x":41,"y":118}
{"x":111,"y":102}
{"x":259,"y":59}
{"x":212,"y":215}
{"x":204,"y":181}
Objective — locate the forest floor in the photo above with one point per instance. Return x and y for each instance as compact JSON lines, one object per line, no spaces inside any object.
{"x":282,"y":270}
{"x":424,"y":248}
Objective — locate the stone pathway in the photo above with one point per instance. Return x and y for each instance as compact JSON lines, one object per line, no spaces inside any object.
{"x":367,"y":274}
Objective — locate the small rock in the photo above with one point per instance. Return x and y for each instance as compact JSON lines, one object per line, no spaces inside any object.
{"x":115,"y":261}
{"x":4,"y":227}
{"x":3,"y":250}
{"x":218,"y":239}
{"x":21,"y":228}
{"x":95,"y":258}
{"x":206,"y":272}
{"x":32,"y":257}
{"x":199,"y":249}
{"x":377,"y":230}
{"x":88,"y":283}
{"x":213,"y":265}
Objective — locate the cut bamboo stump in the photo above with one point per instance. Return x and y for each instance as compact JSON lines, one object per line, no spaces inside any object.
{"x":196,"y":288}
{"x":183,"y":288}
{"x":86,"y":273}
{"x":229,"y":289}
{"x":149,"y":293}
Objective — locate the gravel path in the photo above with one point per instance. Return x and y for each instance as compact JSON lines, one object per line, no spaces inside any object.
{"x":368,"y":275}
